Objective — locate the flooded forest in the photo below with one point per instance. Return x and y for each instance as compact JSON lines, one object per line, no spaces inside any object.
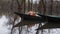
{"x":8,"y":19}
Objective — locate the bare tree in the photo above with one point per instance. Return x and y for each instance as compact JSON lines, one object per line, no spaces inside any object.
{"x":42,"y":5}
{"x":51,"y":8}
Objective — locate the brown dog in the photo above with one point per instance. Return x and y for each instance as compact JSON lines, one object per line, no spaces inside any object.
{"x":32,"y":13}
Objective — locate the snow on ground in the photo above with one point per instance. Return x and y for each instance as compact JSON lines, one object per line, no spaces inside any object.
{"x":6,"y":29}
{"x":3,"y":27}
